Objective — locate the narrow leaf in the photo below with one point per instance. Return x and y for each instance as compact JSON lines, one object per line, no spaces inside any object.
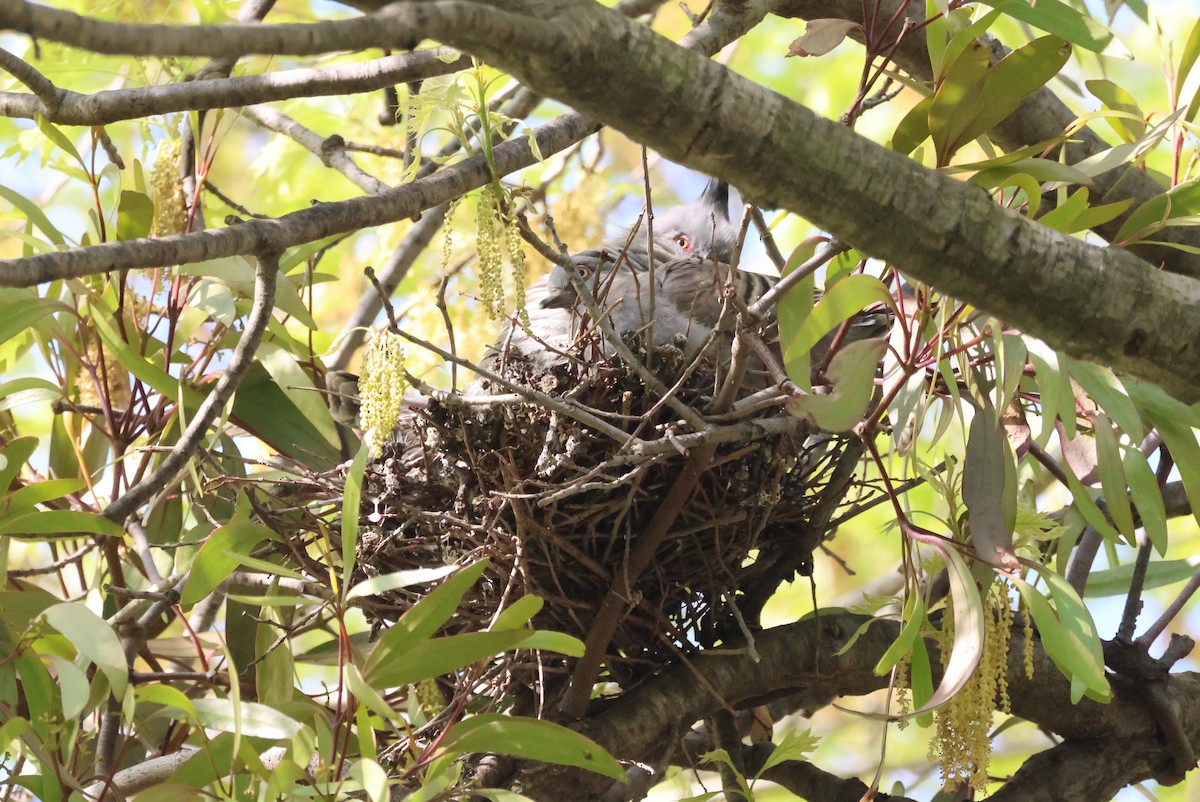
{"x":532,"y":739}
{"x":424,"y":618}
{"x":213,"y":563}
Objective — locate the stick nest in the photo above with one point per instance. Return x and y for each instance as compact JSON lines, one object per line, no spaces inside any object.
{"x":559,"y":509}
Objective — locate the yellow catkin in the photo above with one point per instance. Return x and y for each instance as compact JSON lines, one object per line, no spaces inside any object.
{"x":516,"y":258}
{"x":961,"y":746}
{"x":429,"y":698}
{"x":1027,"y":655}
{"x":448,"y":237}
{"x":381,"y":388}
{"x":999,"y":638}
{"x":170,"y":206}
{"x":487,"y":240}
{"x":902,"y":688}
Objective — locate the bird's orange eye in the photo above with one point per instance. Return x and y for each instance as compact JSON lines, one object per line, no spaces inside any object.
{"x":683,"y":241}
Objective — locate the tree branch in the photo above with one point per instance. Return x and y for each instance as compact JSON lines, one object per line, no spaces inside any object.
{"x":64,"y":107}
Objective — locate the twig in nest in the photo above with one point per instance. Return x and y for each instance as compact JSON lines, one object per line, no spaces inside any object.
{"x":609,"y":616}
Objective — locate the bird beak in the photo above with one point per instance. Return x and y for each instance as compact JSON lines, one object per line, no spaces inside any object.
{"x":560,"y":294}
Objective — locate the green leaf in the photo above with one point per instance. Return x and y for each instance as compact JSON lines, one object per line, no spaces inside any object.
{"x":166,"y":696}
{"x":1068,"y":635}
{"x":1181,"y":201}
{"x":1062,"y":218}
{"x":249,"y":719}
{"x":264,"y":409}
{"x":18,"y":316}
{"x":12,"y":456}
{"x":968,"y":627}
{"x":1185,"y":450}
{"x":557,"y":642}
{"x":967,"y":35}
{"x":299,"y":254}
{"x":1147,"y":497}
{"x":58,"y":523}
{"x":796,"y":744}
{"x":913,"y":129}
{"x":1114,"y":157}
{"x":1187,"y":60}
{"x":1109,"y":395}
{"x":1004,"y":86}
{"x":389,"y":667}
{"x":956,"y":102}
{"x":993,"y":177}
{"x":366,"y":693}
{"x":26,"y":498}
{"x":936,"y":34}
{"x":987,"y":492}
{"x":73,"y":683}
{"x":29,"y":390}
{"x":213,"y":563}
{"x":59,"y":139}
{"x":795,"y":307}
{"x":135,"y":215}
{"x":1130,"y":127}
{"x":920,"y":677}
{"x":371,"y":777}
{"x":914,"y":619}
{"x":1116,"y":581}
{"x":12,"y":730}
{"x":1059,"y":19}
{"x":1099,"y":215}
{"x":93,"y":638}
{"x":351,"y":499}
{"x":299,"y":389}
{"x":1051,"y":385}
{"x":518,"y":613}
{"x":843,"y":300}
{"x":424,"y":618}
{"x":237,"y":273}
{"x":530,"y":738}
{"x":852,"y":372}
{"x":19,"y":608}
{"x":1112,"y":477}
{"x":383,"y":583}
{"x":1089,"y":509}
